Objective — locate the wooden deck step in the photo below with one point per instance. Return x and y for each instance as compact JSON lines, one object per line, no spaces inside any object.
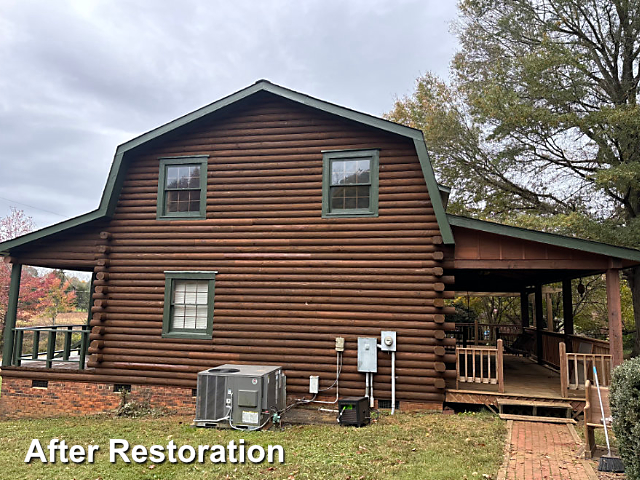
{"x":531,"y":418}
{"x":535,"y":408}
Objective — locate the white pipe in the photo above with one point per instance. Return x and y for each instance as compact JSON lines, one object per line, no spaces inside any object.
{"x":366,"y":383}
{"x":338,"y":361}
{"x":371,"y":402}
{"x":393,"y":382}
{"x":338,"y":369}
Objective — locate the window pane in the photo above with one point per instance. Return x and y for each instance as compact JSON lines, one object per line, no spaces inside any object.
{"x":172,"y":177}
{"x":201,"y":317}
{"x":194,"y":177}
{"x":178,"y":292}
{"x":189,"y":322}
{"x":190,"y":304}
{"x":348,"y":172}
{"x":337,"y":198}
{"x":363,"y":202}
{"x":349,"y":198}
{"x":183,"y":177}
{"x":183,"y":201}
{"x":363,"y":173}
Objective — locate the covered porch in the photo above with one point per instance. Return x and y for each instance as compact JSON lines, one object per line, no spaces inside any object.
{"x":64,"y":347}
{"x":534,"y":360}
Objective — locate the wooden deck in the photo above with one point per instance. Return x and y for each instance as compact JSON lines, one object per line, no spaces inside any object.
{"x":523,"y":379}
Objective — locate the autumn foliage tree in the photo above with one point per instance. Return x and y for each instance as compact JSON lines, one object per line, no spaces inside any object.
{"x":56,"y":295}
{"x":12,"y":226}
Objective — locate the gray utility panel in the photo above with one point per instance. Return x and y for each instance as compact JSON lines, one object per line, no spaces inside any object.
{"x":239,"y":395}
{"x":367,"y":354}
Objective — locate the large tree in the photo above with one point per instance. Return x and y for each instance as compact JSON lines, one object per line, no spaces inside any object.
{"x":540,"y":124}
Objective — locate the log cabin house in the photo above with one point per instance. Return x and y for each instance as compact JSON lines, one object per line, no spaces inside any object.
{"x":258,"y":229}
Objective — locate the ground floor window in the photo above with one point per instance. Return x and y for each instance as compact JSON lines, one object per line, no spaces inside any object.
{"x":188,"y":304}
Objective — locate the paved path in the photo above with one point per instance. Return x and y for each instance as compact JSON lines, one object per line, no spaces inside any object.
{"x":544,"y":451}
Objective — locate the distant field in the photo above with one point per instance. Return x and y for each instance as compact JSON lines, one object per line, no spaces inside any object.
{"x":72,"y":318}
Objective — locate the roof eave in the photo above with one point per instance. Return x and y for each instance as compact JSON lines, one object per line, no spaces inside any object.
{"x":6,"y":247}
{"x":597,"y":248}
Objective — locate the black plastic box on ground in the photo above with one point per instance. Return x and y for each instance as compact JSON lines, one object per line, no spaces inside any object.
{"x":354,"y":411}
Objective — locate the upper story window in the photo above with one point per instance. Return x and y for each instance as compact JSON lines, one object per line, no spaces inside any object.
{"x":188,"y":304}
{"x":182,"y":187}
{"x":350,"y":183}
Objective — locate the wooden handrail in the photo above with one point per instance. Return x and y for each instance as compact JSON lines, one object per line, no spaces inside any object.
{"x":478,"y":367}
{"x":582,"y":363}
{"x":551,"y":343}
{"x":52,"y":353}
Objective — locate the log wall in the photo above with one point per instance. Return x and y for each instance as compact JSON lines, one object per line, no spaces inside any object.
{"x":289,"y":281}
{"x":73,"y":249}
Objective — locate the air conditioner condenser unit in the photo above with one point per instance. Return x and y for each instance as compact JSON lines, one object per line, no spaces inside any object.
{"x":241,"y":396}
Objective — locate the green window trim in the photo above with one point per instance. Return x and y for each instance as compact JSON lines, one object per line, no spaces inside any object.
{"x":342,"y":155}
{"x":165,"y":162}
{"x":170,"y":278}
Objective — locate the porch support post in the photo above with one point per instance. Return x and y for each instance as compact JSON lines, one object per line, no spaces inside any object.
{"x":549,"y":312}
{"x":524,"y":309}
{"x":615,"y":316}
{"x":12,"y":313}
{"x":567,"y":308}
{"x":539,"y":322}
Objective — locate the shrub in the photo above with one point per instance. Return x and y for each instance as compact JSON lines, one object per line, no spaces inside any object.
{"x":625,"y":408}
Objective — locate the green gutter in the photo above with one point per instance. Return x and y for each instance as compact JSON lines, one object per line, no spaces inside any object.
{"x":547,"y":238}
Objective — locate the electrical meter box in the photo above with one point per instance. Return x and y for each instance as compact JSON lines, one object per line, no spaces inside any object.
{"x":367,"y":354}
{"x":388,"y":341}
{"x":242,"y":396}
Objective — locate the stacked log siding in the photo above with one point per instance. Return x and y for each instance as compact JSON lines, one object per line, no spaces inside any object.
{"x":289,"y":281}
{"x":73,"y":249}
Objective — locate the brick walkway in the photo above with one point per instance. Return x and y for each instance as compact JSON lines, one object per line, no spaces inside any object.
{"x":540,"y":451}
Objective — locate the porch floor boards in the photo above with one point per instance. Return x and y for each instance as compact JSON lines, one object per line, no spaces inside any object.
{"x":523,"y":378}
{"x":56,"y":365}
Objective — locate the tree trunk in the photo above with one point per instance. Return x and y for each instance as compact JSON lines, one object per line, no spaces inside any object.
{"x":632,"y":276}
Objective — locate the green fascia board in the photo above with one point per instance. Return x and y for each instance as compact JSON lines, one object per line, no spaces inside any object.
{"x":115,"y":179}
{"x":434,"y":191}
{"x":547,"y":238}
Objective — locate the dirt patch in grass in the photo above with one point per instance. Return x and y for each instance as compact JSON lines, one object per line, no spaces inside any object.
{"x":405,"y":446}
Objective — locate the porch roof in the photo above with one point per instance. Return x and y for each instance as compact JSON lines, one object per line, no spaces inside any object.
{"x":500,"y":258}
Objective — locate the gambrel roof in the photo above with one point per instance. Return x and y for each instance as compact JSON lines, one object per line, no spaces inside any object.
{"x":115,"y":179}
{"x":116,"y":174}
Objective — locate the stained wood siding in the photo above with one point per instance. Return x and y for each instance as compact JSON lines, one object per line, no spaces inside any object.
{"x":289,"y":281}
{"x":73,"y":249}
{"x":476,"y":249}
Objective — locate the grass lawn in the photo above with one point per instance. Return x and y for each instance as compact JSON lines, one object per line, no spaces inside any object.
{"x":405,"y":446}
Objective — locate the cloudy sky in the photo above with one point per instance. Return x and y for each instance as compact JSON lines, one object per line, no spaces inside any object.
{"x":79,"y":77}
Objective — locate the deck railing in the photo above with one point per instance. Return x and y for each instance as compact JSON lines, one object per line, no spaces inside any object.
{"x":469,"y":333}
{"x":551,"y":345}
{"x":577,"y":368}
{"x":480,"y":364}
{"x":65,"y":343}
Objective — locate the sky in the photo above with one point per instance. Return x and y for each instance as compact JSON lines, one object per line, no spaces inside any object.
{"x":80,"y":77}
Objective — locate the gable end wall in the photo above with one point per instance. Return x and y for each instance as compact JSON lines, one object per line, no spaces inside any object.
{"x":288,"y":281}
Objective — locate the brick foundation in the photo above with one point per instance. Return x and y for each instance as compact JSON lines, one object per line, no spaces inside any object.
{"x":19,"y":399}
